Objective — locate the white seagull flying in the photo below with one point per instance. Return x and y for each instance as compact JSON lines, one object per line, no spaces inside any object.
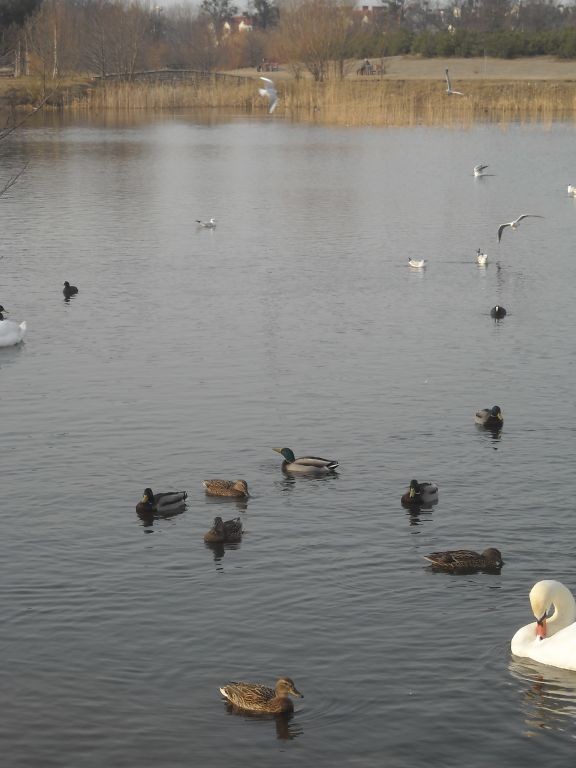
{"x":479,"y":169}
{"x":514,"y":224}
{"x":211,"y":224}
{"x":449,"y":90}
{"x":270,"y":91}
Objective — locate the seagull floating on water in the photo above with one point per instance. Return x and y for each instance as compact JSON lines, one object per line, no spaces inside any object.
{"x":479,"y":170}
{"x":449,"y":90}
{"x":416,"y":263}
{"x":481,"y":258}
{"x":514,"y":224}
{"x":571,"y":190}
{"x":270,"y":91}
{"x":211,"y":224}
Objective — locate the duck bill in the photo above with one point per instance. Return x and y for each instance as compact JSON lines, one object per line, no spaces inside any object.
{"x":541,"y":628}
{"x":500,"y":417}
{"x":278,"y":450}
{"x":296,"y":692}
{"x":412,"y":493}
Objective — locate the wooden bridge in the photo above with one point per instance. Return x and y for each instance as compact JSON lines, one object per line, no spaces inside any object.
{"x":190,"y":76}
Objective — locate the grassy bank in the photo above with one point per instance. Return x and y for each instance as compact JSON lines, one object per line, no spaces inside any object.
{"x":354,"y":101}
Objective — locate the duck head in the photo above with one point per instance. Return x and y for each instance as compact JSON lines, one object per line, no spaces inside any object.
{"x":242,"y":486}
{"x":288,"y":454}
{"x":148,"y":496}
{"x":285,"y":687}
{"x":493,"y":556}
{"x":497,"y":412}
{"x":414,"y":489}
{"x":1,"y":311}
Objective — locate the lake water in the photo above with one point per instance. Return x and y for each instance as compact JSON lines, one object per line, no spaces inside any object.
{"x":190,"y":353}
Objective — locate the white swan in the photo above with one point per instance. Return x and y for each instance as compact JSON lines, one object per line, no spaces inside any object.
{"x":10,"y":332}
{"x":481,"y":258}
{"x":551,"y":640}
{"x":416,"y":263}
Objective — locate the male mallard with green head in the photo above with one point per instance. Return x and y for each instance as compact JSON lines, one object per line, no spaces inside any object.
{"x":466,"y":560}
{"x":259,"y":698}
{"x":224,"y":531}
{"x":491,"y":418}
{"x":237,"y":489}
{"x":161,"y":502}
{"x":419,"y":493}
{"x":306,"y":465}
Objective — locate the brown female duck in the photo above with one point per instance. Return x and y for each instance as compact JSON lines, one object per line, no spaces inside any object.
{"x":237,"y":489}
{"x":466,"y":560}
{"x":259,"y":698}
{"x":223,"y":532}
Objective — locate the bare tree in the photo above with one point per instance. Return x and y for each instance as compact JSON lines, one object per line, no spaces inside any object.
{"x":315,"y":32}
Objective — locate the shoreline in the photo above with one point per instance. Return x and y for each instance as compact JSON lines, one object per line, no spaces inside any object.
{"x":397,"y":96}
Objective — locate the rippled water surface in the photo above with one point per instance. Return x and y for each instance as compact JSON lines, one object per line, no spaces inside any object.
{"x":191,"y":353}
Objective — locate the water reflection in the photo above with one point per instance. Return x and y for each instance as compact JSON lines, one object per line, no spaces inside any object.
{"x":148,"y":518}
{"x":241,"y":504}
{"x":548,"y":695}
{"x":414,"y":511}
{"x":286,"y":728}
{"x":219,"y":549}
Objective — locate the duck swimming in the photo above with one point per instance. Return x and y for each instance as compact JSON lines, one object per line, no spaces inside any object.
{"x":160,"y":503}
{"x":466,"y":560}
{"x":419,"y":493}
{"x":223,"y":532}
{"x":69,"y":290}
{"x":231,"y":488}
{"x":498,"y":312}
{"x":549,"y":640}
{"x":491,"y":418}
{"x":259,"y":698}
{"x":306,"y":465}
{"x":11,"y":333}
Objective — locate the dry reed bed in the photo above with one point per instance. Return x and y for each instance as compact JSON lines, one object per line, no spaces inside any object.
{"x":353,"y":102}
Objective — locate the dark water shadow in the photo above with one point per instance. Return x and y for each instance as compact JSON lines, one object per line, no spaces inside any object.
{"x":148,"y":519}
{"x":241,"y":504}
{"x":547,"y":695}
{"x":219,"y":549}
{"x":494,"y":436}
{"x":414,"y":512}
{"x":285,"y":726}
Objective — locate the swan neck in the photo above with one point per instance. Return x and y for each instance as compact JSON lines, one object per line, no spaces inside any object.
{"x":564,"y":611}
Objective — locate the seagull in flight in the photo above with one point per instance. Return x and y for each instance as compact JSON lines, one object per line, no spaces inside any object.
{"x":449,"y":90}
{"x":514,"y":224}
{"x":479,"y":169}
{"x":207,"y":224}
{"x":270,"y":91}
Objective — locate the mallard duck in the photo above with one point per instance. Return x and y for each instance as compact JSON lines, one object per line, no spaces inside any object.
{"x":481,"y":258}
{"x":259,"y":698}
{"x":305,"y":465}
{"x":11,"y":333}
{"x":420,"y":493}
{"x":223,"y":532}
{"x":497,"y":312}
{"x":231,"y":488}
{"x":69,"y":290}
{"x":491,"y":418}
{"x":160,"y":502}
{"x":466,"y":560}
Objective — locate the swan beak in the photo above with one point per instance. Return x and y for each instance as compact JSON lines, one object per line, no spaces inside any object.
{"x":541,"y":627}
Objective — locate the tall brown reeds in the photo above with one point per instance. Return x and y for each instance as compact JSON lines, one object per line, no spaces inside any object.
{"x":352,"y":102}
